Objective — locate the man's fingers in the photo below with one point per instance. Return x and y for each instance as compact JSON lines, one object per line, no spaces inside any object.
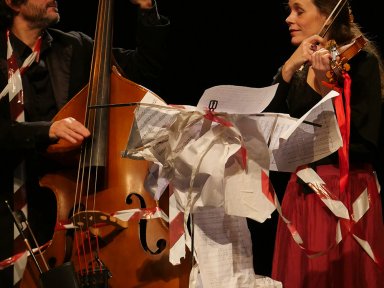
{"x":69,"y":129}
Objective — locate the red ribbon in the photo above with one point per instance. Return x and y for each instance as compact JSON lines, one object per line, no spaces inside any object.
{"x":343,"y":114}
{"x":210,"y":115}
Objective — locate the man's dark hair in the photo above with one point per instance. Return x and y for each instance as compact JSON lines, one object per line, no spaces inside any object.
{"x":6,"y":13}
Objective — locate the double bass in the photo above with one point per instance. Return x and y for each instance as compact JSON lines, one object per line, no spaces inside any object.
{"x":102,"y":252}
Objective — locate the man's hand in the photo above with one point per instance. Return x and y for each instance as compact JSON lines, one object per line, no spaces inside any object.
{"x":69,"y":129}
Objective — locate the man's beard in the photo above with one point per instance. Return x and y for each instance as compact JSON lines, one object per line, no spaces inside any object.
{"x":37,"y":16}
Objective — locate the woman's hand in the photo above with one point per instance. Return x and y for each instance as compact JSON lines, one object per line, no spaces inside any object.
{"x":302,"y":54}
{"x":320,"y":62}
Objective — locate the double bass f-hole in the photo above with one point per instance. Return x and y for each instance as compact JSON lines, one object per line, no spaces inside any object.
{"x":91,"y":220}
{"x":161,"y":243}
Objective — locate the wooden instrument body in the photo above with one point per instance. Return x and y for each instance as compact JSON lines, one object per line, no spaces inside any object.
{"x":120,"y":249}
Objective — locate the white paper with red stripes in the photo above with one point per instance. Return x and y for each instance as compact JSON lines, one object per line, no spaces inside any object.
{"x":217,"y":168}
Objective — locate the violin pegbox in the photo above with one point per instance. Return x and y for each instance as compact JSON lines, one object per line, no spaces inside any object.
{"x":339,"y":60}
{"x":338,"y":63}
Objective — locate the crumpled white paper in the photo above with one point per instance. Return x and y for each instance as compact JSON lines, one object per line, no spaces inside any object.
{"x":216,"y":161}
{"x":219,"y":166}
{"x":210,"y":161}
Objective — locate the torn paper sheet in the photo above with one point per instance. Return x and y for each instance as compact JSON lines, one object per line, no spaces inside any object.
{"x":242,"y":186}
{"x":224,"y":251}
{"x":237,"y":99}
{"x":293,"y":142}
{"x":205,"y":168}
{"x":315,"y":135}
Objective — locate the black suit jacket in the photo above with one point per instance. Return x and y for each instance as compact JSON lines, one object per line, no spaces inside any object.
{"x":69,"y":61}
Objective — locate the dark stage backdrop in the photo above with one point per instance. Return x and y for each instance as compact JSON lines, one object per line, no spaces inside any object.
{"x":213,"y":42}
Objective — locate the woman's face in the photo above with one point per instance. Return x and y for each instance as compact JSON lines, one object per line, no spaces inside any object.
{"x":304,"y":20}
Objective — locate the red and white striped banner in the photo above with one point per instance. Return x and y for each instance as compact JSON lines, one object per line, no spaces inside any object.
{"x":14,"y":89}
{"x":346,"y":220}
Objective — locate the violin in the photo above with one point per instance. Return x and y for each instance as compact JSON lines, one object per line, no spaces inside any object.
{"x":341,"y":55}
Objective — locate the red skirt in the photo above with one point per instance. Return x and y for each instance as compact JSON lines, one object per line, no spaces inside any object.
{"x":346,"y":264}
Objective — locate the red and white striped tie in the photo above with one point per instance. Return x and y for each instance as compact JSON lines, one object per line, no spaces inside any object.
{"x":16,"y":101}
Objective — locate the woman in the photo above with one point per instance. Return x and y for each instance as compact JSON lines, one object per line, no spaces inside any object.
{"x":302,"y":81}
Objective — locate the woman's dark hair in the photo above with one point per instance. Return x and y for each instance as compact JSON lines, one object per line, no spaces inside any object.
{"x":6,"y":13}
{"x":343,"y":30}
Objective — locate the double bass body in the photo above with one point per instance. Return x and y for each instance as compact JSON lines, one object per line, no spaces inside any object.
{"x":133,"y":256}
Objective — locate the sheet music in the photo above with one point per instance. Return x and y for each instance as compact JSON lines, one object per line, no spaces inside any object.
{"x":308,"y":139}
{"x":237,"y":99}
{"x":224,"y":248}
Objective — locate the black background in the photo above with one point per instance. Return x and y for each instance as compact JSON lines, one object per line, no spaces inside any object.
{"x":214,"y":42}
